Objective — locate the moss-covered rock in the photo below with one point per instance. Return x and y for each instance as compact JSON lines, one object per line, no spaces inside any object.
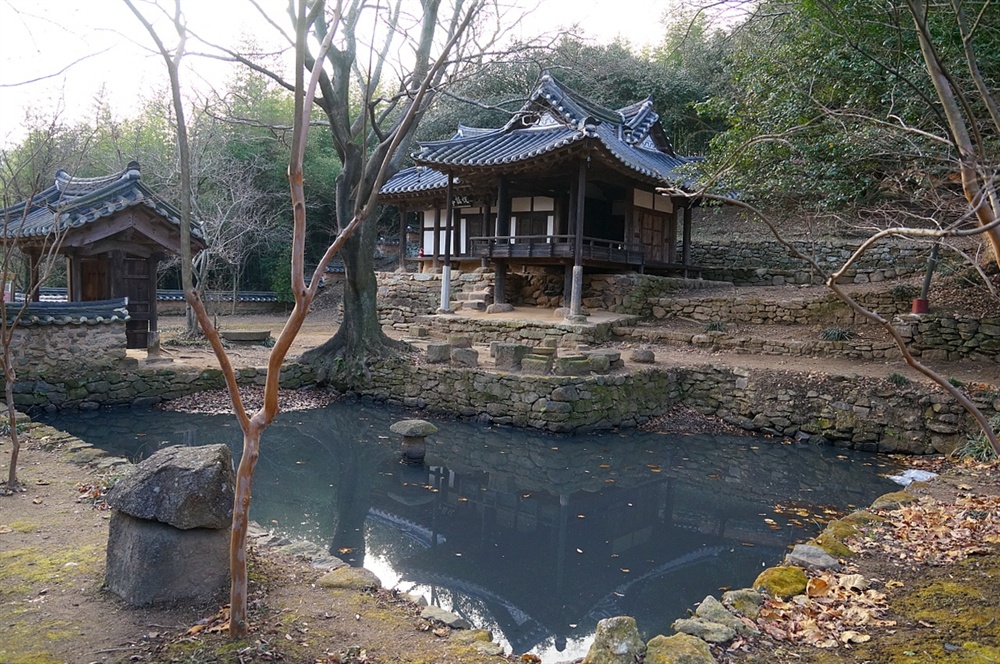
{"x":746,"y":600}
{"x":892,"y":500}
{"x":678,"y":649}
{"x":782,"y":582}
{"x":350,"y":578}
{"x":616,"y":641}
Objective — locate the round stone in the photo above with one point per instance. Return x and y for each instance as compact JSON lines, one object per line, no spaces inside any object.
{"x":413,"y":428}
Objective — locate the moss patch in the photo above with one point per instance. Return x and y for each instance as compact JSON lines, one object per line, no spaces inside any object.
{"x":22,"y":526}
{"x":21,"y":569}
{"x":959,"y":607}
{"x":783,"y":582}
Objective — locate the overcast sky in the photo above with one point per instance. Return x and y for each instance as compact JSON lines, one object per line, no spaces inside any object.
{"x":60,"y":54}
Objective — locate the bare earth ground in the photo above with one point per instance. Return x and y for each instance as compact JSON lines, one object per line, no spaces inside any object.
{"x":52,"y":538}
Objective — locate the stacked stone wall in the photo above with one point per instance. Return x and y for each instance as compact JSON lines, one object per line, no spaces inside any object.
{"x":865,"y":414}
{"x":767,"y":263}
{"x":136,"y":387}
{"x":40,"y":350}
{"x":826,"y":310}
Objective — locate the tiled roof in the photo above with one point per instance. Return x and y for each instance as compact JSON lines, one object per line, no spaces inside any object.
{"x":73,"y":202}
{"x":70,"y":313}
{"x":552,"y":120}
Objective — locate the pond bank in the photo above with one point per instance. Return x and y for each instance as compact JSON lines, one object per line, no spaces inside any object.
{"x":851,"y":411}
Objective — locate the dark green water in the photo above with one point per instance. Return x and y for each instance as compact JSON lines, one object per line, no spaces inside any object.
{"x":535,"y":537}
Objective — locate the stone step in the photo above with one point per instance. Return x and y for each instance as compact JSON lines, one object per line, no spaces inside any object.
{"x":472,"y":295}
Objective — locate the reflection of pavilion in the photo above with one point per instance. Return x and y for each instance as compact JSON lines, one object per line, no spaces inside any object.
{"x":540,"y":564}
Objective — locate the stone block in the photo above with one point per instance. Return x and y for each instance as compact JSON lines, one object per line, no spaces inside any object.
{"x":509,"y":356}
{"x":149,"y":562}
{"x":499,"y":308}
{"x":186,"y":487}
{"x":438,"y":353}
{"x":571,"y":365}
{"x":465,"y":357}
{"x":536,"y":364}
{"x":459,"y":341}
{"x":643,"y":356}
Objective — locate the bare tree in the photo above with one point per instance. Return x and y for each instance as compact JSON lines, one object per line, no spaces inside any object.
{"x":328,"y":23}
{"x":366,"y":103}
{"x":20,"y":272}
{"x":172,"y":59}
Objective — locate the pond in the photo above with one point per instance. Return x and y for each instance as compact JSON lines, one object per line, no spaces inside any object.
{"x":532,"y":536}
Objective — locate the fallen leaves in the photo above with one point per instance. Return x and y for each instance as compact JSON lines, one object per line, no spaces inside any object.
{"x":831,"y":613}
{"x":217,"y":402}
{"x":932,"y":532}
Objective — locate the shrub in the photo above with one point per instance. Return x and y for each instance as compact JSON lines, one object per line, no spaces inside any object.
{"x":835,"y":334}
{"x":977,"y":447}
{"x":898,"y":380}
{"x":904,"y":292}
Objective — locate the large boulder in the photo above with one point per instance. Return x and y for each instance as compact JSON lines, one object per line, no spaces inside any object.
{"x":616,"y":641}
{"x":149,"y":562}
{"x":186,"y":487}
{"x":168,"y":540}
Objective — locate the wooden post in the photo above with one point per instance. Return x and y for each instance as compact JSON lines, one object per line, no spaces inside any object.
{"x":402,"y":238}
{"x":576,"y":298}
{"x":686,"y":250}
{"x":446,"y":270}
{"x":437,"y":234}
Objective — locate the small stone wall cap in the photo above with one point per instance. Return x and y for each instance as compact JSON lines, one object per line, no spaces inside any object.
{"x":413,"y":428}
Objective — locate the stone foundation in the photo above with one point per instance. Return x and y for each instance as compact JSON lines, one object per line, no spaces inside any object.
{"x":865,"y":414}
{"x":767,"y":263}
{"x":66,"y":350}
{"x":139,"y":387}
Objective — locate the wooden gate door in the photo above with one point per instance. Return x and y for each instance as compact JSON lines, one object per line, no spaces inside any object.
{"x":141,"y":308}
{"x":651,"y":225}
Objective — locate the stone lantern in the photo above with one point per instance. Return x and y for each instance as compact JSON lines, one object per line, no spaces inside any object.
{"x":414,"y":433}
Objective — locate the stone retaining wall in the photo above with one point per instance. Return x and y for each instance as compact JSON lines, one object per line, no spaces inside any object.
{"x":825,"y":310}
{"x":403,"y":297}
{"x":767,"y":263}
{"x":67,"y":350}
{"x":866,"y":414}
{"x":946,"y":338}
{"x":138,"y":387}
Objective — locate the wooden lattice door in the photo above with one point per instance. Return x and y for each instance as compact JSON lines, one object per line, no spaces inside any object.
{"x":138,"y":278}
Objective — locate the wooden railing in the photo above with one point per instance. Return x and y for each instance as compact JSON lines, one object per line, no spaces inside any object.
{"x":555,"y":246}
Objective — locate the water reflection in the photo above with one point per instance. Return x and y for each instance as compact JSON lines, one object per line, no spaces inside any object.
{"x":533,"y":536}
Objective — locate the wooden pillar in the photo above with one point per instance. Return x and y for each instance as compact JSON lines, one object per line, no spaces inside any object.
{"x":116,"y":275}
{"x":686,"y":251}
{"x":34,"y":276}
{"x":503,"y":207}
{"x":437,"y":234}
{"x":576,"y":296}
{"x":446,"y":270}
{"x":74,"y":286}
{"x":402,"y":238}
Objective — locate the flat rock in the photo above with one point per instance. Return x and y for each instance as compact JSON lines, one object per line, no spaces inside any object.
{"x":446,"y":617}
{"x":186,"y":487}
{"x":706,"y":630}
{"x":350,"y":578}
{"x":643,"y":356}
{"x":807,"y":555}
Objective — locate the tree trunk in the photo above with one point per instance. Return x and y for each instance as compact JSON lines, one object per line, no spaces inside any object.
{"x":342,"y":358}
{"x":238,"y":540}
{"x":15,"y":441}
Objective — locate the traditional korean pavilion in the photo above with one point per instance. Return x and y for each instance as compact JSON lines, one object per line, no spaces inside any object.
{"x":564,"y":182}
{"x":113,"y":231}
